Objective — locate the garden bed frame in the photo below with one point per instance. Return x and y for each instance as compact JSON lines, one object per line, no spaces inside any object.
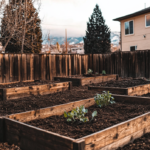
{"x":14,"y":131}
{"x":132,"y":91}
{"x":88,"y":80}
{"x":19,"y":92}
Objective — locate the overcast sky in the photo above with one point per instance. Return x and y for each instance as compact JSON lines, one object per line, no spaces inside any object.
{"x":73,"y":15}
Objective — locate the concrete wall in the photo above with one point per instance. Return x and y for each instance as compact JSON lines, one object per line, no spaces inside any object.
{"x":137,"y":38}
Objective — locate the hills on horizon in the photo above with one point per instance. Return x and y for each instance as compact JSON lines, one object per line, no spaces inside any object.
{"x":115,"y":38}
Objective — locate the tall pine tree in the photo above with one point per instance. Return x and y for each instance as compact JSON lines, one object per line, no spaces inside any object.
{"x":97,"y":39}
{"x":33,"y":33}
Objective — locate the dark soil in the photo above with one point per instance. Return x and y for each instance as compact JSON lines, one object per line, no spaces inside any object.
{"x":107,"y":116}
{"x":6,"y":146}
{"x":142,"y":143}
{"x":36,"y":102}
{"x":23,"y":84}
{"x":91,"y":75}
{"x":146,"y":95}
{"x":123,"y":83}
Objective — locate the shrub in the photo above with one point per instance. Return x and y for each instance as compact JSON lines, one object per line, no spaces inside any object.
{"x":78,"y":114}
{"x":103,"y":72}
{"x":90,"y":71}
{"x":104,"y":99}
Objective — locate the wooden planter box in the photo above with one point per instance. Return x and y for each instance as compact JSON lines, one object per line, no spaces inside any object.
{"x":87,"y":80}
{"x":14,"y":131}
{"x":132,"y":91}
{"x":19,"y":92}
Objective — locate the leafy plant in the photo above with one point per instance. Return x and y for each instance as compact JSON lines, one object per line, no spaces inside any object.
{"x":90,"y":71}
{"x":78,"y":114}
{"x":103,"y":72}
{"x":104,"y":99}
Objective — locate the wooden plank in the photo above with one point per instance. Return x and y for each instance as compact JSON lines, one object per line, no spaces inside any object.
{"x":40,"y":138}
{"x":53,"y":65}
{"x":87,"y":80}
{"x":11,"y":68}
{"x":15,"y":67}
{"x":66,"y":65}
{"x":1,"y":68}
{"x":50,"y":111}
{"x":19,"y":67}
{"x":24,"y":67}
{"x":117,"y":132}
{"x":2,"y":130}
{"x":146,"y":65}
{"x":28,"y":66}
{"x":69,"y":60}
{"x":80,"y":66}
{"x":113,"y":90}
{"x":6,"y":68}
{"x":47,"y":67}
{"x":79,"y":145}
{"x":43,"y":66}
{"x":31,"y":66}
{"x":36,"y":68}
{"x":19,"y":92}
{"x":135,"y":90}
{"x":50,"y":68}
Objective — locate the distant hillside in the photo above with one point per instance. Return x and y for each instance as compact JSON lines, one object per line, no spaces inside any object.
{"x":115,"y":37}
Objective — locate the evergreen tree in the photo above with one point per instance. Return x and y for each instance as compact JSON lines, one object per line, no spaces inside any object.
{"x":33,"y":33}
{"x":97,"y":39}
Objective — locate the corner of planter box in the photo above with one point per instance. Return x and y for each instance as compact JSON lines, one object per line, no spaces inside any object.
{"x":79,"y":144}
{"x":70,"y":85}
{"x":2,"y":130}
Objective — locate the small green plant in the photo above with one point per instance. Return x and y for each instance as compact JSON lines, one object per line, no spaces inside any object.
{"x":103,"y":72}
{"x":90,"y":71}
{"x":104,"y":99}
{"x":78,"y":114}
{"x":96,"y":73}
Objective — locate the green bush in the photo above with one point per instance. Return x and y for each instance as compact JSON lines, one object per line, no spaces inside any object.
{"x":90,"y":71}
{"x":103,"y":72}
{"x":104,"y":99}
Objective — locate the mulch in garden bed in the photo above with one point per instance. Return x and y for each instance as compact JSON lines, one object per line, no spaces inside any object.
{"x":107,"y":117}
{"x":142,"y":143}
{"x":6,"y":146}
{"x":23,"y":84}
{"x":36,"y":102}
{"x":123,"y":83}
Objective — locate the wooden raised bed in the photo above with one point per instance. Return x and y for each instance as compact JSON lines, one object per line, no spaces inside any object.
{"x":19,"y":92}
{"x":81,"y":81}
{"x":132,"y":91}
{"x":15,"y":131}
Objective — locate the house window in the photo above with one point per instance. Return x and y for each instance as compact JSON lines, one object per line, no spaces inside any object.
{"x":133,"y":48}
{"x":147,"y":20}
{"x":128,"y":27}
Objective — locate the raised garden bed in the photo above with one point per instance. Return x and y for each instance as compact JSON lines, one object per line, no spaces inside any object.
{"x":112,"y":136}
{"x":80,"y":80}
{"x":19,"y":90}
{"x":142,"y":143}
{"x":132,"y":87}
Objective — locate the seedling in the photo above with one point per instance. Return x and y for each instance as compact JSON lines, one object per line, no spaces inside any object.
{"x":103,"y":72}
{"x":78,"y":114}
{"x":104,"y":99}
{"x":96,"y":73}
{"x":90,"y":71}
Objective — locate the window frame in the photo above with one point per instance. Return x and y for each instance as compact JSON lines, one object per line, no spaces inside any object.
{"x":133,"y":46}
{"x":129,"y":28}
{"x":145,"y":21}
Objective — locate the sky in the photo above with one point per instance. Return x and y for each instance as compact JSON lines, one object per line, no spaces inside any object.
{"x":73,"y":15}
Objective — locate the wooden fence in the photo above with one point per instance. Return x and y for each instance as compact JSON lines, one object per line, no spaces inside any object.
{"x":21,"y":67}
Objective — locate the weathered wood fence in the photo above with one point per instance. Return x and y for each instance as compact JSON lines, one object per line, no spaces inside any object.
{"x":21,"y":67}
